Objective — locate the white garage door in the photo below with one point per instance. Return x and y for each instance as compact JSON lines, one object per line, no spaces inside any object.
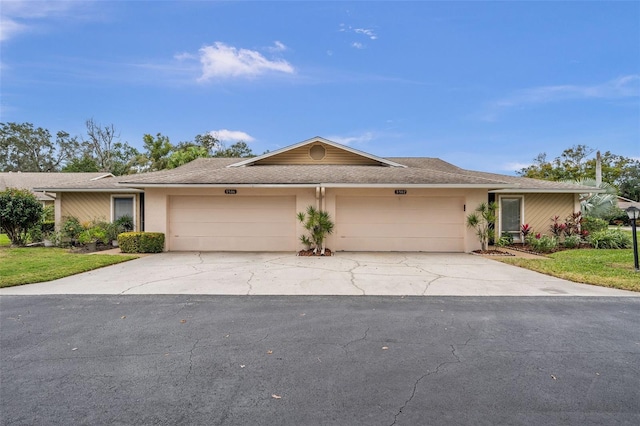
{"x":232,"y":223}
{"x":434,"y":224}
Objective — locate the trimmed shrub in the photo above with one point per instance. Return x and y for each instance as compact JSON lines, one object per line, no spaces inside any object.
{"x":610,"y":239}
{"x":19,"y":212}
{"x":593,"y":224}
{"x":141,"y":242}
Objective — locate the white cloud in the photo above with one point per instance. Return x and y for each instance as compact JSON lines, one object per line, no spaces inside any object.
{"x":19,"y":16}
{"x":224,"y":135}
{"x":621,"y":87}
{"x":367,"y":32}
{"x":277,"y":47}
{"x":221,"y":61}
{"x":514,"y":166}
{"x":10,"y":28}
{"x":357,"y":45}
{"x":352,"y":140}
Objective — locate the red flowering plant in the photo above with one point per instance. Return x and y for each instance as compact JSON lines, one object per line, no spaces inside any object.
{"x":573,"y":224}
{"x":557,"y":228}
{"x":525,"y":230}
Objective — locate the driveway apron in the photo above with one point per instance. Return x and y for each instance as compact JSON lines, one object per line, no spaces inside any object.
{"x":346,"y":273}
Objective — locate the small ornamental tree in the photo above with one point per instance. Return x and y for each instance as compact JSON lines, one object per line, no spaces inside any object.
{"x":19,"y":211}
{"x":483,"y":220}
{"x":319,"y":225}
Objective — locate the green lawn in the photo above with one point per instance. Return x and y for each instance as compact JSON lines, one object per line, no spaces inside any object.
{"x":36,"y":264}
{"x":606,"y":268}
{"x":4,"y":240}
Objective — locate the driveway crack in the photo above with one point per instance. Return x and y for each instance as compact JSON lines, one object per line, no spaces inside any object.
{"x":417,"y":382}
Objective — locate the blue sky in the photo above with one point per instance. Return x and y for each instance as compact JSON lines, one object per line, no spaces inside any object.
{"x":483,"y":85}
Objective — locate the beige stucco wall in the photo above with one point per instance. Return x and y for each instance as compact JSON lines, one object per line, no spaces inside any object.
{"x":538,"y":209}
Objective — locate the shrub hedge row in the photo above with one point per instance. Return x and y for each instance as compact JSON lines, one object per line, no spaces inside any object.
{"x":141,"y":242}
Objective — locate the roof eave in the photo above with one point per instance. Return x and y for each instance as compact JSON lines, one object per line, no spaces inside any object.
{"x":316,"y":184}
{"x":122,"y":189}
{"x":549,"y":191}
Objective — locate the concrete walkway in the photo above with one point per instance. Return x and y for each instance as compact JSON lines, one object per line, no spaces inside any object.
{"x":395,"y":274}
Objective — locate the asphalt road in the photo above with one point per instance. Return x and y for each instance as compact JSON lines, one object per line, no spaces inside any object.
{"x":311,"y":360}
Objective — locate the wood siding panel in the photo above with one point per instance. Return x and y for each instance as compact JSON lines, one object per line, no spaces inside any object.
{"x":540,"y":208}
{"x":86,"y":206}
{"x":333,"y":155}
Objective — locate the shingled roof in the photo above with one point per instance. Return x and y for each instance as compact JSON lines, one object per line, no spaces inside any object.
{"x":421,"y":172}
{"x":33,"y":181}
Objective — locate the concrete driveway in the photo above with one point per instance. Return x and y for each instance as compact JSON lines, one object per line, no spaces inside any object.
{"x":395,"y":274}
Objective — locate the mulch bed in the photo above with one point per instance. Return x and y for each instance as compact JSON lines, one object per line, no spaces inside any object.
{"x":492,"y":253}
{"x":327,"y":252}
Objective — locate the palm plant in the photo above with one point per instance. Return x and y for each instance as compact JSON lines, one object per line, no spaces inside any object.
{"x":318,"y":223}
{"x":483,"y":219}
{"x":597,"y":204}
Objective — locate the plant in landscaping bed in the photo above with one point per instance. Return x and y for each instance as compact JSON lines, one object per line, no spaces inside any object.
{"x":319,"y":225}
{"x":93,"y":235}
{"x":525,"y":230}
{"x":141,"y":242}
{"x":71,"y":228}
{"x":610,"y":239}
{"x":19,"y":212}
{"x":125,"y":223}
{"x":543,"y":243}
{"x":557,"y":228}
{"x":573,"y":224}
{"x":505,"y":240}
{"x":593,"y":224}
{"x":572,"y":241}
{"x":483,"y":220}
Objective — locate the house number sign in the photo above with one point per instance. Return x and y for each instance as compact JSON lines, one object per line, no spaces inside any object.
{"x":230,"y":191}
{"x":401,"y":192}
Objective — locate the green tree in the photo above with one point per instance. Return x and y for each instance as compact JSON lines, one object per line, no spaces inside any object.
{"x":157,"y":152}
{"x":208,"y":142}
{"x":19,"y":211}
{"x":578,"y":163}
{"x":186,"y":154}
{"x":483,"y":220}
{"x":319,"y":224}
{"x":28,"y":149}
{"x":239,"y":149}
{"x":81,"y":164}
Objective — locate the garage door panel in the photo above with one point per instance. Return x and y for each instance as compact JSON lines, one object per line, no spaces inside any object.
{"x":406,"y":244}
{"x":231,"y":223}
{"x":230,"y":216}
{"x":400,"y":224}
{"x":398,"y":216}
{"x":205,"y":229}
{"x":404,"y":230}
{"x":228,"y":202}
{"x":223,"y":243}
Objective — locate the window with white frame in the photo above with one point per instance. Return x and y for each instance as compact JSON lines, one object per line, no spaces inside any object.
{"x":511,"y":216}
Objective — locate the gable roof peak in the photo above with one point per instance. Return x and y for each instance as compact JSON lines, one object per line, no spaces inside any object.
{"x":315,"y":140}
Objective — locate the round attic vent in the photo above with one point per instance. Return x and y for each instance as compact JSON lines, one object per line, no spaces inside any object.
{"x":317,"y":152}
